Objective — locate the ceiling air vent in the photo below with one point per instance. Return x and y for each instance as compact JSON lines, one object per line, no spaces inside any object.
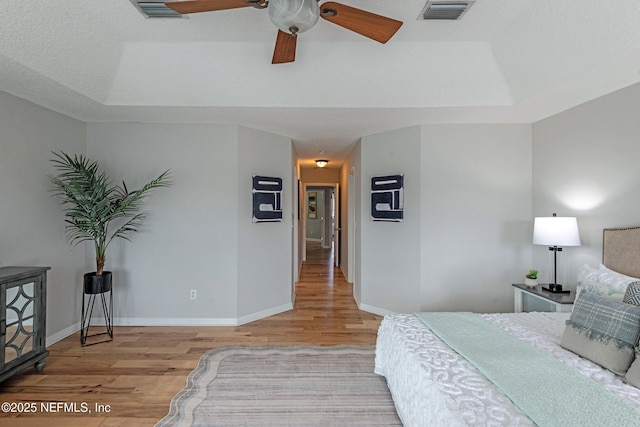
{"x":155,"y":9}
{"x":435,"y":9}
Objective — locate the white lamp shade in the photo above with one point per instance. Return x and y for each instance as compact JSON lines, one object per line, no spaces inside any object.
{"x":556,"y":231}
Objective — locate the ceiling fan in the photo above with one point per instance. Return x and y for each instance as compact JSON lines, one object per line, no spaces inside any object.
{"x":297,"y":16}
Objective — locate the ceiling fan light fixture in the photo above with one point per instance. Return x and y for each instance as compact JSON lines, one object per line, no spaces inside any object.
{"x":322,"y":163}
{"x":295,"y":16}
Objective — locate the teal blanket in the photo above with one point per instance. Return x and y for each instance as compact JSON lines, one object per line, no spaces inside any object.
{"x":545,"y":389}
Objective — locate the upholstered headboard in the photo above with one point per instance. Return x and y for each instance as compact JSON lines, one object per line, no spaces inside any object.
{"x":621,"y":250}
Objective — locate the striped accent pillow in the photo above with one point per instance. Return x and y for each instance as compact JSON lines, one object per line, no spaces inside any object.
{"x":604,"y":331}
{"x":603,"y":318}
{"x":632,"y":295}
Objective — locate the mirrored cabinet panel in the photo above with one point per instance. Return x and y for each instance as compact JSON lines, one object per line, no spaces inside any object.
{"x":22,"y":319}
{"x":19,"y":332}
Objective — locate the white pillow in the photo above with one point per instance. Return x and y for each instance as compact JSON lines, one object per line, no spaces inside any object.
{"x":589,"y":280}
{"x":588,"y":274}
{"x":600,"y":290}
{"x":615,"y":280}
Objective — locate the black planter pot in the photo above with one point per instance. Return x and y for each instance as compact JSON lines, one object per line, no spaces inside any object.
{"x":97,"y":284}
{"x":96,"y":287}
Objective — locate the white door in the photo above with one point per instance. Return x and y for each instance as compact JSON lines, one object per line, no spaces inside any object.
{"x":336,"y":225}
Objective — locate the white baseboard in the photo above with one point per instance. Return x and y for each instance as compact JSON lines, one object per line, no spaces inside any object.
{"x":311,"y":239}
{"x":173,"y":321}
{"x":59,"y":336}
{"x":262,"y":314}
{"x":375,"y":310}
{"x":344,"y":274}
{"x":355,"y":296}
{"x":369,"y":308}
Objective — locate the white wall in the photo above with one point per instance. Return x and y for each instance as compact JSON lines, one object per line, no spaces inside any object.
{"x":316,"y":175}
{"x":32,"y":226}
{"x":264,"y":254}
{"x":585,"y":164}
{"x":475,"y":215}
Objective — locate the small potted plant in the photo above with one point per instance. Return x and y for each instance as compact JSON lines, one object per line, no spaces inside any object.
{"x":531,"y":279}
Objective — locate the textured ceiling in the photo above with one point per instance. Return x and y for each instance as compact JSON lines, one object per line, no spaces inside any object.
{"x":505,"y":61}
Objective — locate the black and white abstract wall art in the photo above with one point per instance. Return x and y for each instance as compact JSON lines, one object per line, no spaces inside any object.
{"x":387,"y":198}
{"x":267,"y":199}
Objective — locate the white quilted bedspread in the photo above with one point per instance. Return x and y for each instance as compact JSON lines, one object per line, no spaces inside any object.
{"x":433,"y":386}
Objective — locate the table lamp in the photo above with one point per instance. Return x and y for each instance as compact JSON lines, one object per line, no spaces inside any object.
{"x":555,"y":232}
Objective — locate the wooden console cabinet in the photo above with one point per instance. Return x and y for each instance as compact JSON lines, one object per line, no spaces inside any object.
{"x":23,"y":296}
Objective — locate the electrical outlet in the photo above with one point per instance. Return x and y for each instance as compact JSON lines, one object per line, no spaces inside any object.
{"x":193,"y":294}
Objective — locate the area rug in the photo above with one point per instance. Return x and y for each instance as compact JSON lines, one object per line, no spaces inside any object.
{"x":284,"y":386}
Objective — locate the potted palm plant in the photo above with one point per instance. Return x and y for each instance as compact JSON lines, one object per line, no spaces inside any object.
{"x":97,"y":210}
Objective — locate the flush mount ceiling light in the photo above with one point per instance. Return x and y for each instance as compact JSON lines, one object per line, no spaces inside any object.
{"x":445,"y":9}
{"x":297,"y":16}
{"x":322,"y":163}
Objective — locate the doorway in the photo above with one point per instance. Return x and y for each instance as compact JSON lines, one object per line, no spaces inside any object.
{"x":321,"y":220}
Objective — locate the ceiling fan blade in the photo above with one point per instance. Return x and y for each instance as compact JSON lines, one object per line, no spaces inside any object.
{"x":376,"y":27}
{"x":285,"y":50}
{"x":194,"y":6}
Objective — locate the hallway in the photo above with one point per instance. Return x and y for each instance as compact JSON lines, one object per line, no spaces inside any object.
{"x":319,"y":266}
{"x":324,"y":312}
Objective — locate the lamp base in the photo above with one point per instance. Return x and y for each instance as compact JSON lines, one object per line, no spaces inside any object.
{"x":555,"y":289}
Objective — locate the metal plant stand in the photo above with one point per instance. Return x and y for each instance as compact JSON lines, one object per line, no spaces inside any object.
{"x":89,"y":296}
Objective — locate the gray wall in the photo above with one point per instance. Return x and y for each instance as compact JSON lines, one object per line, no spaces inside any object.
{"x":190,"y":237}
{"x":199,"y":234}
{"x":476,"y":215}
{"x":390,"y":251}
{"x":264,"y":254}
{"x":32,"y":224}
{"x":472,"y":193}
{"x":466,"y":233}
{"x":585,"y":164}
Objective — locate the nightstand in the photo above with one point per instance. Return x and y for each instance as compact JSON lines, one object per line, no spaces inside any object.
{"x":527,"y":299}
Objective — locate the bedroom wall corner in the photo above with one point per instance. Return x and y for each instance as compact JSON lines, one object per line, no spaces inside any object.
{"x":475,"y":209}
{"x":264,"y":249}
{"x":585,"y":165}
{"x":189,"y":240}
{"x":390,"y":251}
{"x":32,"y":226}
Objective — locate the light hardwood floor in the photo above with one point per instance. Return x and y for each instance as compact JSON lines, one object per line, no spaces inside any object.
{"x":144,"y":367}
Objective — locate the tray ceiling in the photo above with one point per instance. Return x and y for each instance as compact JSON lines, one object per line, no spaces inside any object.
{"x":504,"y":61}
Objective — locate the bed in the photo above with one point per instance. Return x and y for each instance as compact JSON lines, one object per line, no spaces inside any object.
{"x":434,"y":385}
